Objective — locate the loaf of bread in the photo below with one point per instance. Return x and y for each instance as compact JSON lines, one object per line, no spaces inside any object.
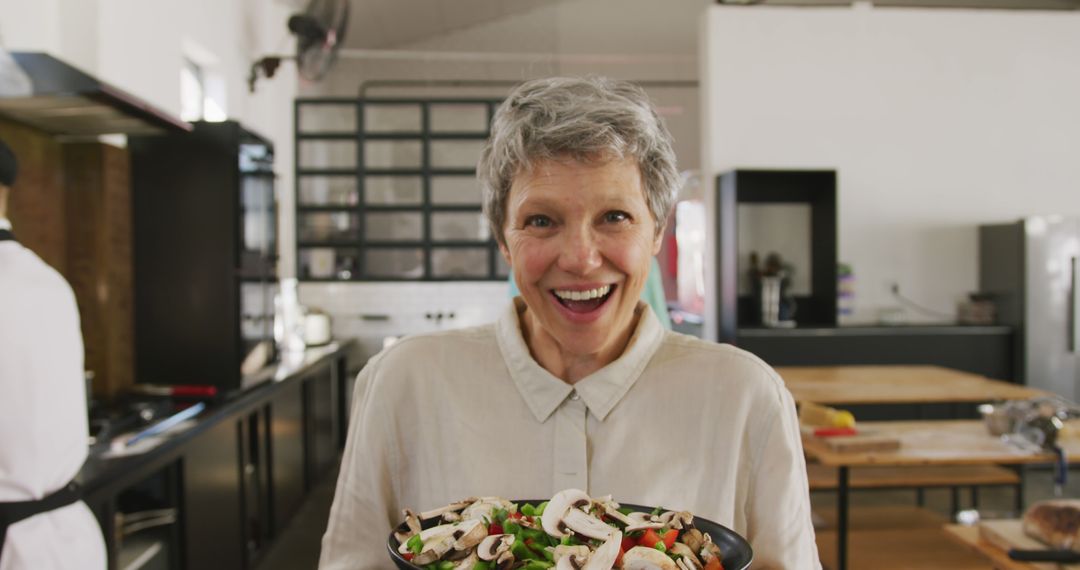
{"x":1055,"y":523}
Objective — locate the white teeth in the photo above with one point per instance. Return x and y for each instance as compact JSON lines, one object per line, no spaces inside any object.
{"x":583,"y":295}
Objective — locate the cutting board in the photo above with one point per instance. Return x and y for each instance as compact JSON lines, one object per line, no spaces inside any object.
{"x":862,"y":442}
{"x":1009,"y":533}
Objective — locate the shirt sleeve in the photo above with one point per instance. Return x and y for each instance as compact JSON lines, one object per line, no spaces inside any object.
{"x":365,"y":504}
{"x":780,"y":529}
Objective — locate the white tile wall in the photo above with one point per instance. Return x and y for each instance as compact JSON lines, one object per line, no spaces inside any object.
{"x":372,"y":311}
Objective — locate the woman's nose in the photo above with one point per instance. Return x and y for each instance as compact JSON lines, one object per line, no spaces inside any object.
{"x":579,"y":253}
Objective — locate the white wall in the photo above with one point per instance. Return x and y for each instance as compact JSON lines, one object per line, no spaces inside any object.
{"x":936,"y":121}
{"x":139,"y":46}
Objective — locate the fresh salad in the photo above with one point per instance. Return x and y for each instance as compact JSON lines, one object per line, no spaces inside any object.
{"x":572,"y":531}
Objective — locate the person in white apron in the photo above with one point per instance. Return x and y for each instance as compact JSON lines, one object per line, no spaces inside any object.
{"x":43,"y":428}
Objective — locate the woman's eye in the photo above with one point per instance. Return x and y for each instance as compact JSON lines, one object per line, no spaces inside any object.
{"x":615,"y":217}
{"x":537,"y":222}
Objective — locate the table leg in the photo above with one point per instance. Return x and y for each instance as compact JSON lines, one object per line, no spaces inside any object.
{"x":842,"y":517}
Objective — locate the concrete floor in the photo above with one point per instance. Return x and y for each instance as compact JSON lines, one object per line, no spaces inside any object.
{"x":298,"y":546}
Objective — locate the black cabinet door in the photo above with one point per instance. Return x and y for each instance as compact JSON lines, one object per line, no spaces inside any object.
{"x":213,"y":532}
{"x":286,"y":454}
{"x":321,"y":391}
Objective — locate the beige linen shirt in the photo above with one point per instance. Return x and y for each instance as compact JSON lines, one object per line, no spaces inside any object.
{"x":675,"y":422}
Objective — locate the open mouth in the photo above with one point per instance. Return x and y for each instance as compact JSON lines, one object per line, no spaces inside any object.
{"x":584,"y":301}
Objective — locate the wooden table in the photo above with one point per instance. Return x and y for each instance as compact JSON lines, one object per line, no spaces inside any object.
{"x":941,"y":442}
{"x":971,"y":537}
{"x":848,"y":385}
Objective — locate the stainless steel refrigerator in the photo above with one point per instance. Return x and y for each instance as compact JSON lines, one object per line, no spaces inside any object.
{"x":1030,"y":266}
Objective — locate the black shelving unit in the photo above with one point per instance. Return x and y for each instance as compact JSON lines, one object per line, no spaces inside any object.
{"x":204,"y":220}
{"x":369,"y":206}
{"x":814,"y":187}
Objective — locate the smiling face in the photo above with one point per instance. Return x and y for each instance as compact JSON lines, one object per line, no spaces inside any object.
{"x":579,"y":238}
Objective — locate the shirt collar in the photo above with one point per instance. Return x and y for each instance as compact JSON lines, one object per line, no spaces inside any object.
{"x":601,"y":390}
{"x":5,"y":224}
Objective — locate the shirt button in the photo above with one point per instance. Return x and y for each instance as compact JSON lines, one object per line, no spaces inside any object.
{"x":574,"y":396}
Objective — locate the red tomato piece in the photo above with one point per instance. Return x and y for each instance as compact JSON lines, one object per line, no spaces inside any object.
{"x":649,"y":539}
{"x":618,"y":559}
{"x":408,"y":556}
{"x":714,"y":564}
{"x":494,"y":528}
{"x":628,"y":543}
{"x":669,"y":538}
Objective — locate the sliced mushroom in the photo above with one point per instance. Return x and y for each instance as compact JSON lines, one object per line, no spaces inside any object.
{"x":642,"y":521}
{"x":469,"y":533}
{"x":467,"y":562}
{"x":709,"y":550}
{"x":483,"y":508}
{"x":434,"y":549}
{"x":604,"y":557}
{"x":430,"y":535}
{"x":689,"y":560}
{"x":588,"y":525}
{"x":572,"y":561}
{"x":451,"y":508}
{"x":644,"y":558}
{"x":614,"y":513}
{"x":412,"y":526}
{"x":694,"y":539}
{"x":678,"y":519}
{"x":558,"y":507}
{"x":568,"y":550}
{"x":505,"y":561}
{"x":494,"y":546}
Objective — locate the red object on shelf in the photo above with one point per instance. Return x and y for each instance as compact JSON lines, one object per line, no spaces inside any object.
{"x":180,"y":390}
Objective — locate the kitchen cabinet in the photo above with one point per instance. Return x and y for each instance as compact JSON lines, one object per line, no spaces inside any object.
{"x":320,"y":428}
{"x":287,"y":470}
{"x":386,"y":190}
{"x":213,"y":533}
{"x":204,"y":253}
{"x":233,"y":480}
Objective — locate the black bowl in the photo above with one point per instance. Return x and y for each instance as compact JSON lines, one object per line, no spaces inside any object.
{"x":737,"y":552}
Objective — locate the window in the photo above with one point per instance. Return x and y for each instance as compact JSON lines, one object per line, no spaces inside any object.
{"x":386,"y":189}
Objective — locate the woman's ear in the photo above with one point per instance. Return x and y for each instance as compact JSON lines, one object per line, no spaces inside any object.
{"x":658,"y":240}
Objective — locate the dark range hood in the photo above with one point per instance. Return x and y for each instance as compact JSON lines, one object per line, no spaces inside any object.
{"x":66,"y":101}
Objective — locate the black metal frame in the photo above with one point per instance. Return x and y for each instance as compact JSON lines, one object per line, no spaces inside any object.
{"x":815,"y":187}
{"x":425,"y":172}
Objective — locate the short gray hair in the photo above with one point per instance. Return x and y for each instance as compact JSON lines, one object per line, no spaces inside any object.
{"x":591,"y":119}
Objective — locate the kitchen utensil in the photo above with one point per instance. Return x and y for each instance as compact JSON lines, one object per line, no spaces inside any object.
{"x":737,"y":551}
{"x":1061,"y":556}
{"x":317,"y":329}
{"x":1008,"y":535}
{"x":770,"y":301}
{"x":166,"y":424}
{"x":177,"y":391}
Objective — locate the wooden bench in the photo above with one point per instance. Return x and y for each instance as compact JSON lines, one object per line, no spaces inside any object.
{"x":919,"y":477}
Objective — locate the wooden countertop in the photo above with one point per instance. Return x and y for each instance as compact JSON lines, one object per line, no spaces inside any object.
{"x":847,"y":385}
{"x":938,"y":442}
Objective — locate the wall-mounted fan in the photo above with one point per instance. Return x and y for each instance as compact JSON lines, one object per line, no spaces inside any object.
{"x":319,"y":31}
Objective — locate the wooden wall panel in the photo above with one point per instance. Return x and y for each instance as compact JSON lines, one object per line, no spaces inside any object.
{"x":97,"y":186}
{"x":37,"y":205}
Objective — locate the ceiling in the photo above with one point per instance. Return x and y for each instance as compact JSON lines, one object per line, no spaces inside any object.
{"x":375,"y":24}
{"x":990,"y":4}
{"x":389,"y":24}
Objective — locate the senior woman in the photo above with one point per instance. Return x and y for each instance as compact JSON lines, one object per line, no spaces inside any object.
{"x":577,"y":385}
